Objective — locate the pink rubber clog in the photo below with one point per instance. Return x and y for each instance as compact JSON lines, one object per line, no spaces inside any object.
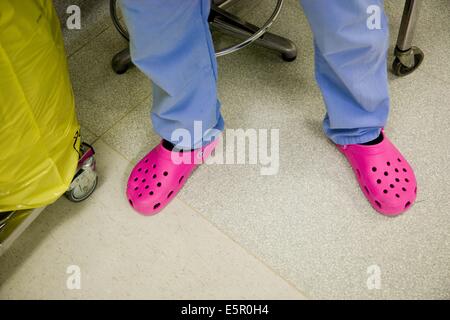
{"x":158,"y":177}
{"x":384,"y":175}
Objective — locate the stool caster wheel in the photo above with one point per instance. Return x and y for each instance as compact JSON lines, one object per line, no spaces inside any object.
{"x":406,"y":62}
{"x":288,"y":57}
{"x":122,"y":62}
{"x":86,"y":179}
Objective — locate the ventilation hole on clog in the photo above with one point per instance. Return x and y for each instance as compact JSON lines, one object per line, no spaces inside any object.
{"x":397,"y":195}
{"x":392,"y":186}
{"x":404,"y":170}
{"x":397,"y":180}
{"x":399,"y":160}
{"x":404,"y":189}
{"x":146,"y":187}
{"x":136,"y":179}
{"x":386,"y":173}
{"x":165,"y":173}
{"x":367,"y":190}
{"x":154,"y":166}
{"x":396,"y":170}
{"x":407,"y":180}
{"x":374,"y":169}
{"x":379,"y":181}
{"x":388,"y":164}
{"x":136,"y":189}
{"x":140,"y":195}
{"x":181,"y":179}
{"x":168,"y":196}
{"x":378,"y":204}
{"x":159,"y":184}
{"x":146,"y":171}
{"x":131,"y":202}
{"x":415,"y":190}
{"x":146,"y":160}
{"x":407,"y":204}
{"x":385,"y":191}
{"x":156,"y":206}
{"x":151,"y":193}
{"x":143,"y":180}
{"x":154,"y":176}
{"x":140,"y":169}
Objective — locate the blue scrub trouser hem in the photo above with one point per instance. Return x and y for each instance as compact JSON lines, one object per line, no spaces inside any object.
{"x":208,"y":137}
{"x":366,"y":137}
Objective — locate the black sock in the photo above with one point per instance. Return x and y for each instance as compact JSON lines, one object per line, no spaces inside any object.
{"x":171,"y":147}
{"x":168,"y":145}
{"x":374,"y":141}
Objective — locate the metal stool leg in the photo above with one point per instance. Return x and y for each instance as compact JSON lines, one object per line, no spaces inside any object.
{"x":226,"y":23}
{"x":121,"y":62}
{"x":230,"y":24}
{"x":407,"y":57}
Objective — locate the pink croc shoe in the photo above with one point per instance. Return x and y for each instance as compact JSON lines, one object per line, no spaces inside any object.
{"x":384,"y":175}
{"x":158,"y":177}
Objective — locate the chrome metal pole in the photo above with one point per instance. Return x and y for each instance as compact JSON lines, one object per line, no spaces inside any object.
{"x":408,"y":24}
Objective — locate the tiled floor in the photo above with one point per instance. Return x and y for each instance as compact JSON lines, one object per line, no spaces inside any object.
{"x":307,"y":232}
{"x":122,"y":255}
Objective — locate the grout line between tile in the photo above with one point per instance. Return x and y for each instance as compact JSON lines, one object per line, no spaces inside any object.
{"x":110,"y":146}
{"x":300,"y":291}
{"x":101,"y":135}
{"x":89,"y":41}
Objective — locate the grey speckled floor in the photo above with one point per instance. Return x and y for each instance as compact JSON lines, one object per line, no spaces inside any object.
{"x":309,"y":224}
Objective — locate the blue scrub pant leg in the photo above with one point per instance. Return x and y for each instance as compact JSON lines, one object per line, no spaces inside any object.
{"x":171,"y":43}
{"x":351,"y":66}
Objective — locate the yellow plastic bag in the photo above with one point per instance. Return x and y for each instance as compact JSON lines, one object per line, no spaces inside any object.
{"x":39,"y":131}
